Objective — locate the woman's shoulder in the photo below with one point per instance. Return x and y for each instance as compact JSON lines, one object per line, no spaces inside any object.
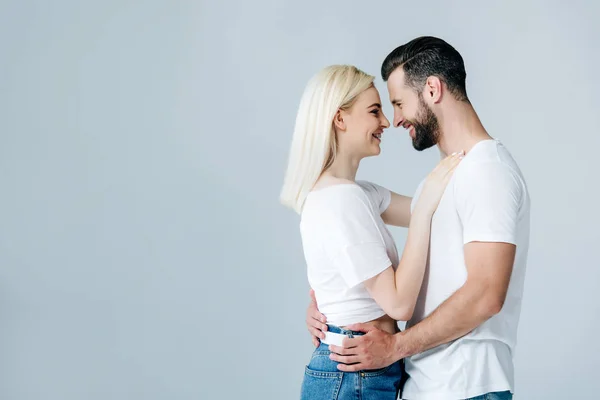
{"x":331,"y":181}
{"x":336,"y":195}
{"x":380,"y":196}
{"x":371,"y":186}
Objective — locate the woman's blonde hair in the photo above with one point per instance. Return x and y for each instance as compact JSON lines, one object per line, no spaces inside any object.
{"x":314,"y":145}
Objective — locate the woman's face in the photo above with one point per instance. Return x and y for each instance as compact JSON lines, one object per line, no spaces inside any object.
{"x":360,"y":128}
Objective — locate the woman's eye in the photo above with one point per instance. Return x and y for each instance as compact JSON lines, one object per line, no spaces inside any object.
{"x":375,"y":111}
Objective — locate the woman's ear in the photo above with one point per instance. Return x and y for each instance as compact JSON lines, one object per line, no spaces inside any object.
{"x":338,"y":120}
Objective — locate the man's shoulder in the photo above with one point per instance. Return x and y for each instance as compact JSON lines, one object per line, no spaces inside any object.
{"x":489,"y":179}
{"x":494,"y":175}
{"x":485,"y":168}
{"x":493,"y":157}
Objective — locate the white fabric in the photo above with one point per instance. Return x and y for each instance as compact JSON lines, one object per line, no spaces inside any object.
{"x":345,"y":243}
{"x":333,"y":338}
{"x":487,"y":200}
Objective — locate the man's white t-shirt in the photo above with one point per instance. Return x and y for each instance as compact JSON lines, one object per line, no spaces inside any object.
{"x":345,"y":243}
{"x":486,"y":201}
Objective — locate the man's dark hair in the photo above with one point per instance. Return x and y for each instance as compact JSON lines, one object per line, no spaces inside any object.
{"x":428,"y":56}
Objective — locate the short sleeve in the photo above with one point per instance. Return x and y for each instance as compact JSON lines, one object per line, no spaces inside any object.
{"x":380,"y":196}
{"x":488,"y":200}
{"x":353,"y":238}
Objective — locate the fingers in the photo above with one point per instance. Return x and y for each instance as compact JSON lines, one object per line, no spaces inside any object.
{"x":457,"y":157}
{"x":316,"y":320}
{"x":344,"y":359}
{"x":347,"y":348}
{"x":316,"y":327}
{"x":317,"y":332}
{"x":313,"y":313}
{"x":453,"y":159}
{"x":350,"y":343}
{"x":453,"y":162}
{"x":351,"y":368}
{"x":447,"y":165}
{"x":456,"y":154}
{"x":316,"y":315}
{"x":315,"y":341}
{"x":347,"y":355}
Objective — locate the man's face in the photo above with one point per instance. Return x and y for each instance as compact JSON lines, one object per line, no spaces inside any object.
{"x":412,"y":113}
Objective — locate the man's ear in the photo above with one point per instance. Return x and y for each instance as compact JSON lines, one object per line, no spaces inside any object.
{"x":338,"y":120}
{"x":433,"y":90}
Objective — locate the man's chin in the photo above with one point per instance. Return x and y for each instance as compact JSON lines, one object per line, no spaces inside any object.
{"x":422,"y":146}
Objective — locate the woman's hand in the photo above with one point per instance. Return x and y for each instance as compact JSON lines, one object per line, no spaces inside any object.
{"x":315,"y":321}
{"x":436,"y":182}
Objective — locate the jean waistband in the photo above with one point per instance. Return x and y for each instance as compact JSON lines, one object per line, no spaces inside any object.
{"x":342,"y":331}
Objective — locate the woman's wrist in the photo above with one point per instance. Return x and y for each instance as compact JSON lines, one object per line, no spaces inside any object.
{"x":422,"y":214}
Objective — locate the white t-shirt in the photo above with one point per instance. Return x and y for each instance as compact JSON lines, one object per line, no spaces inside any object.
{"x":345,"y":243}
{"x":486,"y":201}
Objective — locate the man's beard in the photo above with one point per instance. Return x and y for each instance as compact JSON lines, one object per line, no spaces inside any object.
{"x":427,"y":129}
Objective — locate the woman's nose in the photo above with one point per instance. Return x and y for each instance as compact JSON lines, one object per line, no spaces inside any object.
{"x":385,"y":123}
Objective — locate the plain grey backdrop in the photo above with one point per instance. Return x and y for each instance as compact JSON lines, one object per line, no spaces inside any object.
{"x":143,"y":250}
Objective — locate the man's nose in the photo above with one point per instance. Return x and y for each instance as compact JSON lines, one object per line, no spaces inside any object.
{"x":398,"y":119}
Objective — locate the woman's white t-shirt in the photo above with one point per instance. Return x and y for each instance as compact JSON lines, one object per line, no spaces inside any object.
{"x":346,"y":243}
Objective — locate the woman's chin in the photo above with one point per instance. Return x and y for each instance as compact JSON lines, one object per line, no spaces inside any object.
{"x":371,"y":151}
{"x":377,"y":150}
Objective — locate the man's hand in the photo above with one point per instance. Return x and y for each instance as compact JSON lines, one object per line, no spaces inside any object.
{"x":374,"y":350}
{"x":315,"y":321}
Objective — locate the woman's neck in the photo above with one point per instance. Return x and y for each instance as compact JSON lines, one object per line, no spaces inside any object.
{"x":343,"y":167}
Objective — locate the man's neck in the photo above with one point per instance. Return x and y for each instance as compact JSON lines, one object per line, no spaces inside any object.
{"x":460,"y":128}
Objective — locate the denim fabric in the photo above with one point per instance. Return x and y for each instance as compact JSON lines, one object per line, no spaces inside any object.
{"x":323,"y":381}
{"x":494,"y":396}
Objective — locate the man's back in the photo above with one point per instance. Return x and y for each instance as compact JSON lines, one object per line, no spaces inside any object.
{"x":486,"y":201}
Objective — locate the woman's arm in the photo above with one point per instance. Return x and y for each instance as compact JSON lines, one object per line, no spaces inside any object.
{"x":396,"y":291}
{"x":398,"y":212}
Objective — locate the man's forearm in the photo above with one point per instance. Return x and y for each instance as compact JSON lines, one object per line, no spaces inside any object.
{"x":462,"y":312}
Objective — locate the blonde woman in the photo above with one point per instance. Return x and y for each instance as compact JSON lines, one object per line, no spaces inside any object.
{"x":352,"y":261}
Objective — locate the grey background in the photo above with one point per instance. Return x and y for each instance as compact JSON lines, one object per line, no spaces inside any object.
{"x":143,"y":251}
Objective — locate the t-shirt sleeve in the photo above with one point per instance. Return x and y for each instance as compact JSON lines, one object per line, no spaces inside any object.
{"x":380,"y":195}
{"x":488,"y":201}
{"x":353,"y":239}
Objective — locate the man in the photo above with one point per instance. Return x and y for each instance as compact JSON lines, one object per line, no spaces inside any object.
{"x":460,"y":341}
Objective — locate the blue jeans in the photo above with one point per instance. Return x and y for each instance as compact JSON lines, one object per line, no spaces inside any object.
{"x":323,"y":381}
{"x":494,"y":396}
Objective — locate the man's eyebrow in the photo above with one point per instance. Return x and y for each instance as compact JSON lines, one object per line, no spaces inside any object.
{"x":396,"y":101}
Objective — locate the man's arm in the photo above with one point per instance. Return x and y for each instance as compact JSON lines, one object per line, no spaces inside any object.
{"x":489,"y":267}
{"x":488,"y":199}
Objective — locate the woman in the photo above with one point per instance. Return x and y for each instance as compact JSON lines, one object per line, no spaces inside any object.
{"x":352,"y":261}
